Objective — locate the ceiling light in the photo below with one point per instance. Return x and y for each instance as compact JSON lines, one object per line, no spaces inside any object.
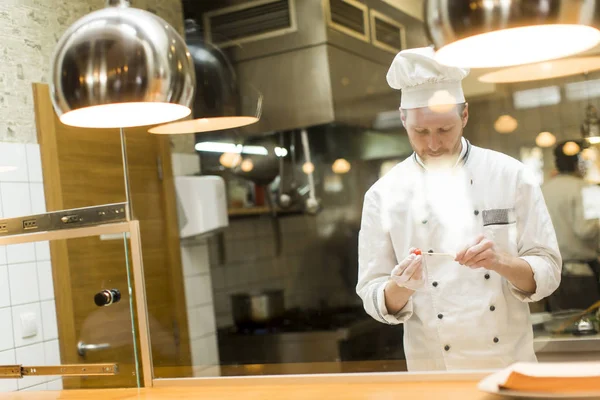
{"x":247,"y":165}
{"x":545,"y":139}
{"x":571,"y":148}
{"x":219,"y":147}
{"x":110,"y":70}
{"x":583,"y":90}
{"x":501,"y":33}
{"x":230,"y":160}
{"x":537,"y":97}
{"x":281,"y":152}
{"x":308,"y":168}
{"x":505,"y":124}
{"x":544,"y":70}
{"x":341,"y":166}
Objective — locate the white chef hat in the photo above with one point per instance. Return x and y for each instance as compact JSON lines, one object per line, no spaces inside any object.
{"x":425,"y":82}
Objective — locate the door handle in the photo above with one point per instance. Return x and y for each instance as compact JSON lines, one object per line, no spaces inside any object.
{"x":83,"y":348}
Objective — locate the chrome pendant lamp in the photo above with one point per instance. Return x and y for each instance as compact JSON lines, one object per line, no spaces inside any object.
{"x":502,"y":33}
{"x":121,"y":67}
{"x":222,"y":102}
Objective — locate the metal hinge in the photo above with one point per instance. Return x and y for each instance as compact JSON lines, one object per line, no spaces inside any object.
{"x":19,"y":371}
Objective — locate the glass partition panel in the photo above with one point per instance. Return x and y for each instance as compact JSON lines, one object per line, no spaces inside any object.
{"x":67,"y":302}
{"x":291,"y":228}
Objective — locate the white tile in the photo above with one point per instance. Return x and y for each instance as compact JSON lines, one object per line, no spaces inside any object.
{"x":8,"y":358}
{"x":6,"y":333}
{"x":195,"y":259}
{"x":17,"y":312}
{"x":198,"y":290}
{"x":55,"y":385}
{"x":2,"y":255}
{"x":45,"y":282}
{"x":23,"y":283}
{"x":34,"y":163}
{"x":38,"y":201}
{"x":13,"y":162}
{"x":52,"y":352}
{"x":185,"y":164}
{"x":205,"y":351}
{"x":4,"y":287}
{"x":52,"y":357}
{"x":201,"y":321}
{"x":35,"y":388}
{"x":42,"y":251}
{"x":31,"y":355}
{"x":197,"y":347}
{"x":16,"y":200}
{"x":20,"y":253}
{"x":49,"y":320}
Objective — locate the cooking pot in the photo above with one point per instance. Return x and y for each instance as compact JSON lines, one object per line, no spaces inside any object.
{"x":256,"y":309}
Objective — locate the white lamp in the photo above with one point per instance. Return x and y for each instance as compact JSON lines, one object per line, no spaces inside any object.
{"x":121,"y":67}
{"x":501,"y":33}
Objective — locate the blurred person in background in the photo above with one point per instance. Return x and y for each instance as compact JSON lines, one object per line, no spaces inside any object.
{"x":578,"y":236}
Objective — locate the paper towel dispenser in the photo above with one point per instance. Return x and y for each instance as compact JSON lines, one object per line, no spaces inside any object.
{"x":202,"y":205}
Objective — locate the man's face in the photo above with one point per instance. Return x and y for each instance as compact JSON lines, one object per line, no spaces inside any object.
{"x":435,"y":136}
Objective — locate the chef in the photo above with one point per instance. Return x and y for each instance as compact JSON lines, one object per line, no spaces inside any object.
{"x":456,"y":239}
{"x":578,"y":235}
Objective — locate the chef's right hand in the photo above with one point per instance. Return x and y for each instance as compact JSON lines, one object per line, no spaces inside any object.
{"x":409,"y":273}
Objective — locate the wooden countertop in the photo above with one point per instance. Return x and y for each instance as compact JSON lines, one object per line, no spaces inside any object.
{"x":452,"y":390}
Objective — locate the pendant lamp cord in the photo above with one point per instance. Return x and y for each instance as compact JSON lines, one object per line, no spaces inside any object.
{"x":129,"y":207}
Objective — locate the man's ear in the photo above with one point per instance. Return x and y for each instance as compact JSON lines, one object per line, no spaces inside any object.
{"x":465,"y":115}
{"x":403,"y":118}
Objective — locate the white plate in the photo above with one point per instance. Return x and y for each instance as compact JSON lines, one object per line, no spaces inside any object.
{"x":490,"y":384}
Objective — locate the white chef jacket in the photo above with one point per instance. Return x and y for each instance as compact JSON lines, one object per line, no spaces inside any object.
{"x":463,"y":318}
{"x":578,"y":238}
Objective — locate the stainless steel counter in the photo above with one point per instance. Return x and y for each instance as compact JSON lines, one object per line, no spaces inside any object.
{"x":546,"y":343}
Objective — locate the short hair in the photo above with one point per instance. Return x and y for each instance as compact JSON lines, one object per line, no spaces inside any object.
{"x":567,"y":163}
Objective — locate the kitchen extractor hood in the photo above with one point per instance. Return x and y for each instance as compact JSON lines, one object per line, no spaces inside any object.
{"x":316,"y":62}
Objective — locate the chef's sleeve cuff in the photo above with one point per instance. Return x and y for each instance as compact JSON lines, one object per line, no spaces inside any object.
{"x":540,"y":270}
{"x":399,"y":318}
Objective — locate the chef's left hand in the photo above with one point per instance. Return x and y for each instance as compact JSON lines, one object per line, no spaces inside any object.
{"x":481,"y":253}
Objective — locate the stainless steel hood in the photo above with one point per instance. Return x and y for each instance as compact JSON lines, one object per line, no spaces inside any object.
{"x":315,"y":62}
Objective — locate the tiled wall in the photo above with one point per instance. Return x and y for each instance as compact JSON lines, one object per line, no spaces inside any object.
{"x":26,"y":287}
{"x":318,"y":262}
{"x":317,"y":265}
{"x":199,"y":300}
{"x":198,"y":286}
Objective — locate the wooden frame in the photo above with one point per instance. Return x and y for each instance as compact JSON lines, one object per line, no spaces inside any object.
{"x":48,"y":132}
{"x":132,"y":228}
{"x":375,"y":377}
